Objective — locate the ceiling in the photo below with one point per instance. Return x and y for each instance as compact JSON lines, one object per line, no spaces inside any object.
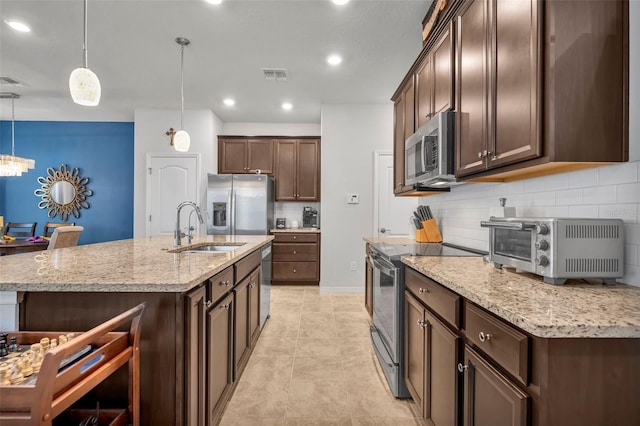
{"x":131,"y":48}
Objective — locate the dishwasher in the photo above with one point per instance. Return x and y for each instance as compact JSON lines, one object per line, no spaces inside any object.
{"x":265,"y":284}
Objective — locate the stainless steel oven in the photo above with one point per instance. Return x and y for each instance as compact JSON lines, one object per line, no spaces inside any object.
{"x":387,"y":331}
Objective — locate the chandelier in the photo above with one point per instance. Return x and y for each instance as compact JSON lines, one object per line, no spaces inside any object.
{"x":10,"y":165}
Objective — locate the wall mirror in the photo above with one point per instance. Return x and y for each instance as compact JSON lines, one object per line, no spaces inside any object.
{"x":63,"y":192}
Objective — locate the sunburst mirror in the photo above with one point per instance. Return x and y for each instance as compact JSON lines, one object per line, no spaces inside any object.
{"x":63,"y":192}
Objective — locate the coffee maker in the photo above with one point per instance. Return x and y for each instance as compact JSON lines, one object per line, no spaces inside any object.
{"x":309,"y":217}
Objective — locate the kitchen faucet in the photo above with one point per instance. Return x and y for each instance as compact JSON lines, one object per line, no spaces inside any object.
{"x":177,"y":233}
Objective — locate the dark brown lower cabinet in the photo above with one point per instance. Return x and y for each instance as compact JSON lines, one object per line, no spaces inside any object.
{"x":195,"y":357}
{"x":247,"y":319}
{"x":431,"y":352}
{"x":489,"y":397}
{"x":220,"y":319}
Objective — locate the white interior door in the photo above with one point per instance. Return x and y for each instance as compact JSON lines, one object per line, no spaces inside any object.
{"x":171,"y":179}
{"x":391,"y":214}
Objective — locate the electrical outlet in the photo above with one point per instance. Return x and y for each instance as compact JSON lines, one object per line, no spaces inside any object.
{"x":354,"y":266}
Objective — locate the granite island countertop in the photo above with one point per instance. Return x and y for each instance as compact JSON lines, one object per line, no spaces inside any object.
{"x":574,"y":310}
{"x":145,"y":264}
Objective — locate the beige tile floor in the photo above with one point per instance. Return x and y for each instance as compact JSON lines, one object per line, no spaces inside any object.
{"x":314,"y":365}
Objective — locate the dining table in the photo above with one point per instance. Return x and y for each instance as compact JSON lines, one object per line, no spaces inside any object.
{"x":21,"y":246}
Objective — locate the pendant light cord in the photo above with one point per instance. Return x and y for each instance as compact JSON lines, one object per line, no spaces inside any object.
{"x":13,"y":129}
{"x":182,"y":87}
{"x":84,"y":45}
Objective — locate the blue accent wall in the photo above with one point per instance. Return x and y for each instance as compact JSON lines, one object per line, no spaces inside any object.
{"x":102,"y":151}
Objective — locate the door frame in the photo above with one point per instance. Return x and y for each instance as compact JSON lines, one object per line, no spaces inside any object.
{"x":376,"y":186}
{"x":149,"y":158}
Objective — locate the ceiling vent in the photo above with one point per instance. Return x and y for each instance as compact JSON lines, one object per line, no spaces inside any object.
{"x":10,"y":81}
{"x":279,"y":74}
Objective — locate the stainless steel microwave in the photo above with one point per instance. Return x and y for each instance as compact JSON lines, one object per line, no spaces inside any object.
{"x":558,"y":248}
{"x":429,"y":159}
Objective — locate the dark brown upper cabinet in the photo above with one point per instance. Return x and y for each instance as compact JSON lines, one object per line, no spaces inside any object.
{"x":245,"y":155}
{"x":434,"y":79}
{"x":541,"y":88}
{"x":497,"y":88}
{"x":404,"y":126}
{"x":297,"y":165}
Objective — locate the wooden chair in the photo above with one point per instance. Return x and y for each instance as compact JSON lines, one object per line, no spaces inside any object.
{"x":20,"y":230}
{"x":49,"y":227}
{"x":65,"y":236}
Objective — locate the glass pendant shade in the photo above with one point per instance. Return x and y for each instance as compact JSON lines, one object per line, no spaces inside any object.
{"x":181,"y":141}
{"x":84,"y":87}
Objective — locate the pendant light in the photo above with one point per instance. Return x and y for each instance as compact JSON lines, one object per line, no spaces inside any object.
{"x":83,"y":83}
{"x":10,"y":165}
{"x":181,"y":139}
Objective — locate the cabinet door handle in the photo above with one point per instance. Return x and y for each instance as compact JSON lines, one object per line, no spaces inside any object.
{"x":480,"y":154}
{"x":295,"y":236}
{"x":207,"y":303}
{"x":225,"y":306}
{"x":422,"y":324}
{"x":461,"y":367}
{"x":423,"y":290}
{"x":225,"y":283}
{"x":294,"y":271}
{"x":484,"y":337}
{"x":294,"y":252}
{"x":252,"y":285}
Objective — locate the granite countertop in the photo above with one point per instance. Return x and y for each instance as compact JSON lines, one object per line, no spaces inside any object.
{"x":146,"y":264}
{"x":573,"y":310}
{"x":296,"y":230}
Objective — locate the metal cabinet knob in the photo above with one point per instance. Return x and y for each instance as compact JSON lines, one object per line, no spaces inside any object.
{"x":225,"y":283}
{"x":252,"y":285}
{"x":226,"y":306}
{"x":421,"y":323}
{"x":294,"y":271}
{"x":295,"y":237}
{"x":484,"y":337}
{"x":294,"y":252}
{"x":462,"y":367}
{"x":423,"y":290}
{"x":207,"y":303}
{"x":479,"y":154}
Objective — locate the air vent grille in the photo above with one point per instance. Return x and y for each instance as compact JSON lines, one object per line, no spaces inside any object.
{"x":592,"y":265}
{"x":593,"y":231}
{"x":278,"y":74}
{"x":10,"y":81}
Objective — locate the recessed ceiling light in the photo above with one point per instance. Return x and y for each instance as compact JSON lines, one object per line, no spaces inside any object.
{"x":229,"y":102}
{"x":334,"y":59}
{"x":340,"y":2}
{"x":18,"y":26}
{"x":214,"y":1}
{"x":286,"y":106}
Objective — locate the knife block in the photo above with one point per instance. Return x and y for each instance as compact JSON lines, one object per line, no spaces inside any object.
{"x":429,"y":232}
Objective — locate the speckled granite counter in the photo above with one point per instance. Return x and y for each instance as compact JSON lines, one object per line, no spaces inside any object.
{"x":573,"y":310}
{"x":147,"y":264}
{"x":296,"y":230}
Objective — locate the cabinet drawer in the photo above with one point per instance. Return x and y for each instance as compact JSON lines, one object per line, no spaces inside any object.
{"x":295,"y":271}
{"x":502,"y":342}
{"x":220,"y":284}
{"x":295,"y":238}
{"x":248,"y":264}
{"x":439,"y":299}
{"x":295,"y":252}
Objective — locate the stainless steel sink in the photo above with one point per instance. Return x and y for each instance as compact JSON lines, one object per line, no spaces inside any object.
{"x":215,"y":248}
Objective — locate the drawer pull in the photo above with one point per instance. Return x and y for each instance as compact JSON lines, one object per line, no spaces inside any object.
{"x":422,"y":324}
{"x":461,"y":367}
{"x":423,"y":290}
{"x":484,"y":337}
{"x":225,"y":283}
{"x":294,"y":237}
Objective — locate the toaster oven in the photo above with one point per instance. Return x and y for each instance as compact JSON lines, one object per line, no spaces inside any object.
{"x":558,"y":248}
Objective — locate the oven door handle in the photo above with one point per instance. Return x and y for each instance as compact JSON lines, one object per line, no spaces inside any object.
{"x":380,"y":264}
{"x":521,"y":226}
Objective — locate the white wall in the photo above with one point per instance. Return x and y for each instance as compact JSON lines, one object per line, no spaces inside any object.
{"x":271,"y":129}
{"x":149,"y":135}
{"x":350,"y":135}
{"x":603,"y":192}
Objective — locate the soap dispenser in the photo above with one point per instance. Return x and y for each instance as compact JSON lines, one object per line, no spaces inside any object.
{"x":507,"y":211}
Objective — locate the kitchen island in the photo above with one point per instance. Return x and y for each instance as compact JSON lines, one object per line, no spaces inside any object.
{"x":189,"y":296}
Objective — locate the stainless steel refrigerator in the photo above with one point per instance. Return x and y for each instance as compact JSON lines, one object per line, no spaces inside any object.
{"x":243,"y":205}
{"x":240,"y":204}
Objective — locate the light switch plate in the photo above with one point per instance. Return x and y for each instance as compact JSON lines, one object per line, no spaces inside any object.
{"x":353,"y":199}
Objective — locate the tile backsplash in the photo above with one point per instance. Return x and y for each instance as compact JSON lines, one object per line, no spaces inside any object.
{"x":601,"y":192}
{"x":292,"y":210}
